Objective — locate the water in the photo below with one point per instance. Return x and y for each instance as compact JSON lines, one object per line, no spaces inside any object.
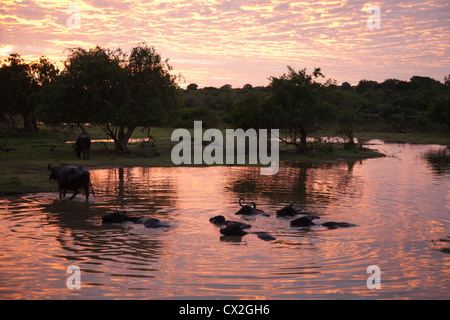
{"x":400,"y":204}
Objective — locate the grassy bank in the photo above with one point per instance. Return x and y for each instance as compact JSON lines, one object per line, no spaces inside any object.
{"x":24,"y":166}
{"x":413,"y":137}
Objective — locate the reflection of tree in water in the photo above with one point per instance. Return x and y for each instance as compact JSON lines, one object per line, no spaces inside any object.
{"x":149,"y":189}
{"x":295,"y":182}
{"x":439,"y":160}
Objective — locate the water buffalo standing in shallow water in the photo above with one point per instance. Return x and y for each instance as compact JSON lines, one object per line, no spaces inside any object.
{"x":83,"y":144}
{"x":70,"y":178}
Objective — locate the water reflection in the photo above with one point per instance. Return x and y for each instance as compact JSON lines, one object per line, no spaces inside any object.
{"x":439,"y":160}
{"x":141,"y":188}
{"x":296,"y":182}
{"x":399,"y":203}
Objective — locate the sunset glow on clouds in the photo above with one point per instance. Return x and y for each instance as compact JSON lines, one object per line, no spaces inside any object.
{"x":213,"y":43}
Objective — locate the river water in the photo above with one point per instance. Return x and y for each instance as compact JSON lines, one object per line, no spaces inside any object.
{"x":400,"y":205}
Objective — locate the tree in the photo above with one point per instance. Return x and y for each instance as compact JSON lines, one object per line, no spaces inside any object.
{"x":346,"y":86}
{"x":154,"y":89}
{"x":192,"y":86}
{"x":439,"y":110}
{"x":43,"y":71}
{"x":247,"y":113}
{"x":21,"y":83}
{"x":107,"y":88}
{"x":297,"y":106}
{"x":365,"y":85}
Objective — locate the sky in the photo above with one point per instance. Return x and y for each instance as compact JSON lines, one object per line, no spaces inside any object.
{"x":213,"y":43}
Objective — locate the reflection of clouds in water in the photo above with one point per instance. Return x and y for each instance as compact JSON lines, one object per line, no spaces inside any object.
{"x":397,"y":204}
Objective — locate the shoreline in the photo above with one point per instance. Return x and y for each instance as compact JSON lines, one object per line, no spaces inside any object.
{"x":25,"y":166}
{"x":35,"y":180}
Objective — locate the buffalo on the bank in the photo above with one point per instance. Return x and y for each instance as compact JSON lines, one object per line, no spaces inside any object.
{"x":83,"y":144}
{"x":70,"y":178}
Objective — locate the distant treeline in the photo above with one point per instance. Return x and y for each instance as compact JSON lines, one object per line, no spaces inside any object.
{"x":121,"y":92}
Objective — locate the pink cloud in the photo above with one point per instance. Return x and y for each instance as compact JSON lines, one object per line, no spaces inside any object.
{"x":254,"y":39}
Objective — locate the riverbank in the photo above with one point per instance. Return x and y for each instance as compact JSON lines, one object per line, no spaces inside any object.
{"x":411,"y":137}
{"x":24,"y":166}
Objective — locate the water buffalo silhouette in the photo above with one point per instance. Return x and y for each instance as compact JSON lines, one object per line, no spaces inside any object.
{"x":258,"y":211}
{"x":83,"y":144}
{"x":335,"y":225}
{"x":289,"y":211}
{"x":250,"y":210}
{"x":121,"y":217}
{"x":70,"y":178}
{"x":221,"y":221}
{"x":245,"y":209}
{"x":234,"y":228}
{"x":307,"y":221}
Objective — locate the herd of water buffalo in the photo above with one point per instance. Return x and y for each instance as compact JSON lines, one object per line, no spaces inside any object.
{"x":76,"y":178}
{"x":234,"y":228}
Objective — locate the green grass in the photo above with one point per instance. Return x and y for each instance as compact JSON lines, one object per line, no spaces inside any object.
{"x":24,"y":169}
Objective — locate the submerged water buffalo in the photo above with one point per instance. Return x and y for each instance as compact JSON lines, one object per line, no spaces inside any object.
{"x":83,"y":144}
{"x":250,"y":210}
{"x":221,"y":221}
{"x":70,"y":178}
{"x":289,"y":211}
{"x":245,"y":209}
{"x":335,"y":225}
{"x":234,"y":228}
{"x":121,"y":217}
{"x":307,"y":221}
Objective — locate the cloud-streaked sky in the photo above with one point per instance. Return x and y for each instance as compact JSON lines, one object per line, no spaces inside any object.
{"x":213,"y":42}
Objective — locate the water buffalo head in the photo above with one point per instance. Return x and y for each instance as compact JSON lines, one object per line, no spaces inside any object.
{"x":53,"y":170}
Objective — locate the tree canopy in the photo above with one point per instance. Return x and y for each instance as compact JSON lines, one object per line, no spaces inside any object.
{"x":119,"y":92}
{"x":122,"y":91}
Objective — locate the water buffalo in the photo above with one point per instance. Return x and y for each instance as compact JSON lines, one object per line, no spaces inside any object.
{"x":121,"y":217}
{"x":307,"y":221}
{"x":83,"y":144}
{"x":70,"y":178}
{"x":259,"y":211}
{"x":221,"y":221}
{"x":289,"y":211}
{"x":234,"y":228}
{"x":250,"y":210}
{"x":335,"y":225}
{"x":245,"y":209}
